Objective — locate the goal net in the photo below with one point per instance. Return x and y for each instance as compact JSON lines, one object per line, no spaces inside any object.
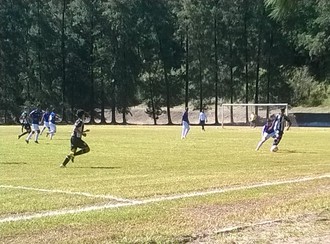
{"x":242,"y":114}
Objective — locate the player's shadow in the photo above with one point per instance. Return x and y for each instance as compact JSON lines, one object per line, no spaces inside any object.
{"x":13,"y":163}
{"x":295,"y":151}
{"x":98,"y":167}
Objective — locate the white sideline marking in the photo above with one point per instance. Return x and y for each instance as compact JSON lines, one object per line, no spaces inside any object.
{"x":154,"y":200}
{"x":69,"y":192}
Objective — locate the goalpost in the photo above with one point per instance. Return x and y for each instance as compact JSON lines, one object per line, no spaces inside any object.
{"x":241,"y":116}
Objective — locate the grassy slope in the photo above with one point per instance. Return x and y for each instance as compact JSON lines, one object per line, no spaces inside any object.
{"x":145,"y":162}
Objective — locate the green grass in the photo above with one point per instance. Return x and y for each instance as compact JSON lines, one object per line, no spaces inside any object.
{"x":141,"y":162}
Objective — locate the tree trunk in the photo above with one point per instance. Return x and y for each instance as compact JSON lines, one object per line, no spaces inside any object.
{"x":64,"y":118}
{"x":168,"y":103}
{"x":113,"y":104}
{"x":216,"y":79}
{"x":200,"y":80}
{"x":256,"y":98}
{"x":153,"y":104}
{"x":102,"y":102}
{"x":269,"y":69}
{"x":91,"y":66}
{"x":246,"y":62}
{"x":231,"y":80}
{"x":187,"y":68}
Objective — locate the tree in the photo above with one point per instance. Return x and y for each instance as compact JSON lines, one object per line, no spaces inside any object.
{"x":280,"y":8}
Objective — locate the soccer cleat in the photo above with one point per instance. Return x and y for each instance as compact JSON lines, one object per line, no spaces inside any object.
{"x":62,"y":166}
{"x":36,"y":142}
{"x":18,"y":136}
{"x":27,"y":141}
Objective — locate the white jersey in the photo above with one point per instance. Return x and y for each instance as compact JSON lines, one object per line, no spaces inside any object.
{"x":202,"y":116}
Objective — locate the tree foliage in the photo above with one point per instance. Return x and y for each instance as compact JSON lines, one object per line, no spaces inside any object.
{"x":115,"y":54}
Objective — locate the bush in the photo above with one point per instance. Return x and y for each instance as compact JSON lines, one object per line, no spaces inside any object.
{"x":306,"y":90}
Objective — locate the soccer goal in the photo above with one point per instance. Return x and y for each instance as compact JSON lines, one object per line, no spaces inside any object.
{"x":242,"y":113}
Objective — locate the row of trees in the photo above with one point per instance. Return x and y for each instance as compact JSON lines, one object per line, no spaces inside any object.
{"x":120,"y":53}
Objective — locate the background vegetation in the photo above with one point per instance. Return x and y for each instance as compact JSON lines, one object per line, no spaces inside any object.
{"x":119,"y":53}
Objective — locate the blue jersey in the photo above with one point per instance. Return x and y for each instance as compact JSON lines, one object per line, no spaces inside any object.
{"x":185,"y":117}
{"x":52,"y":117}
{"x":45,"y":116}
{"x":268,"y":128}
{"x":35,"y":115}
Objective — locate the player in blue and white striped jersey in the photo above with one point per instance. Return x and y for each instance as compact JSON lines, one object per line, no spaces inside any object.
{"x":279,"y":126}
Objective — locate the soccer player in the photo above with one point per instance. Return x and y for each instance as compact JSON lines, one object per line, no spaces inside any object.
{"x":25,"y":124}
{"x":202,"y":119}
{"x":185,"y":124}
{"x":35,"y":115}
{"x":52,"y":124}
{"x":267,"y":132}
{"x":279,"y":126}
{"x":45,"y":120}
{"x":76,"y":141}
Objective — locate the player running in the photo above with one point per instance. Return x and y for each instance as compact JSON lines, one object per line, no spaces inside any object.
{"x":35,"y":115}
{"x":76,"y":141}
{"x":185,"y":124}
{"x":25,"y":124}
{"x":267,"y":132}
{"x":279,"y":126}
{"x":52,"y":124}
{"x":45,"y":120}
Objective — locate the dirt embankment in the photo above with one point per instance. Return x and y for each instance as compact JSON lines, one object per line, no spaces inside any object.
{"x":300,"y":116}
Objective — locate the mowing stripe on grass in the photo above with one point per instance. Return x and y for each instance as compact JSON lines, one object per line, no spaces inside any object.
{"x":154,"y":200}
{"x":69,"y":193}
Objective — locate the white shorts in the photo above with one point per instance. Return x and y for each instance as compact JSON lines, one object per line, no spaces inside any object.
{"x":185,"y":125}
{"x":35,"y":127}
{"x":266,"y":135}
{"x":46,"y":124}
{"x":52,"y":128}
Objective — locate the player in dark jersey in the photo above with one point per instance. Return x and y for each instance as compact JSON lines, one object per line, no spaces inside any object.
{"x":185,"y":124}
{"x":279,"y":126}
{"x":25,"y":124}
{"x":35,"y":115}
{"x":76,"y":141}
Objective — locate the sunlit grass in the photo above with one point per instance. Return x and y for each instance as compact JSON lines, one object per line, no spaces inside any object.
{"x":142,"y":162}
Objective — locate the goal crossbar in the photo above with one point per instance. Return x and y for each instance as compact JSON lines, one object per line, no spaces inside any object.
{"x":251,"y":104}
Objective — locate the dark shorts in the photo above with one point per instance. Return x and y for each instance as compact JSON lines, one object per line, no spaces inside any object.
{"x":26,"y":126}
{"x":77,"y":143}
{"x":202,"y":122}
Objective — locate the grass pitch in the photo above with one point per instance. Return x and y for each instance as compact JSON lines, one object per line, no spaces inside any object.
{"x":134,"y":186}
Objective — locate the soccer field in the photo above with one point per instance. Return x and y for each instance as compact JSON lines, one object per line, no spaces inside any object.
{"x":143,"y":184}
